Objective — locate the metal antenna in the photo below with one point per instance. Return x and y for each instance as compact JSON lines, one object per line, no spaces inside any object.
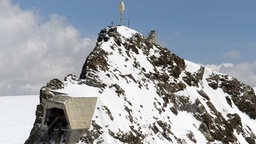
{"x":122,"y":9}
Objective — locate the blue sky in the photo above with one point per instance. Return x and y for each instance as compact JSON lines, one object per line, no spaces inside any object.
{"x":46,"y":39}
{"x":201,"y":31}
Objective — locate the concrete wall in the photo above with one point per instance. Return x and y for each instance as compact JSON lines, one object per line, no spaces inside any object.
{"x":80,"y":111}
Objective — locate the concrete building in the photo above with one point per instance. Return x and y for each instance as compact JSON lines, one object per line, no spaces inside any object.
{"x":152,"y":36}
{"x":66,"y":118}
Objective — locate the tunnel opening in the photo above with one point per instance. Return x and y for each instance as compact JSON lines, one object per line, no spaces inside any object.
{"x":57,"y":125}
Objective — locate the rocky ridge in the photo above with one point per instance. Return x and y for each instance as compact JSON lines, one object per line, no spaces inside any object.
{"x":146,"y":94}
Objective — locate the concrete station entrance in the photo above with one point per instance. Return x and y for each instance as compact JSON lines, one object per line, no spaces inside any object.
{"x":66,"y":118}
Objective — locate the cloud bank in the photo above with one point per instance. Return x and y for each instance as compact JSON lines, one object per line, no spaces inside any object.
{"x":34,"y":51}
{"x":245,"y":72}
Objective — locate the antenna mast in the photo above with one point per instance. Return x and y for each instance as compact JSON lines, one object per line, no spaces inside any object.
{"x":122,"y":9}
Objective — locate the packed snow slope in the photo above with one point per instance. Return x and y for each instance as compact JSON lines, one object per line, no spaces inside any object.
{"x":146,"y":94}
{"x":17,"y":116}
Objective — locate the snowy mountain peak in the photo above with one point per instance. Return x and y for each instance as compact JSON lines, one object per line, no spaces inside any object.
{"x":146,"y":94}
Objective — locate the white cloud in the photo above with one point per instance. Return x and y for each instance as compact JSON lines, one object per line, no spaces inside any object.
{"x":232,"y":55}
{"x":245,"y":72}
{"x":33,"y":51}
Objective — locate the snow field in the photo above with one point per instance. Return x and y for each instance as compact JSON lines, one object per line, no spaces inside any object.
{"x":17,"y":118}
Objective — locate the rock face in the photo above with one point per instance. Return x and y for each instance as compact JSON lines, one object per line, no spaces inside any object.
{"x":146,"y":94}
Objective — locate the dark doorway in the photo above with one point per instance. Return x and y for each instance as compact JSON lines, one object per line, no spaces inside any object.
{"x":57,"y":124}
